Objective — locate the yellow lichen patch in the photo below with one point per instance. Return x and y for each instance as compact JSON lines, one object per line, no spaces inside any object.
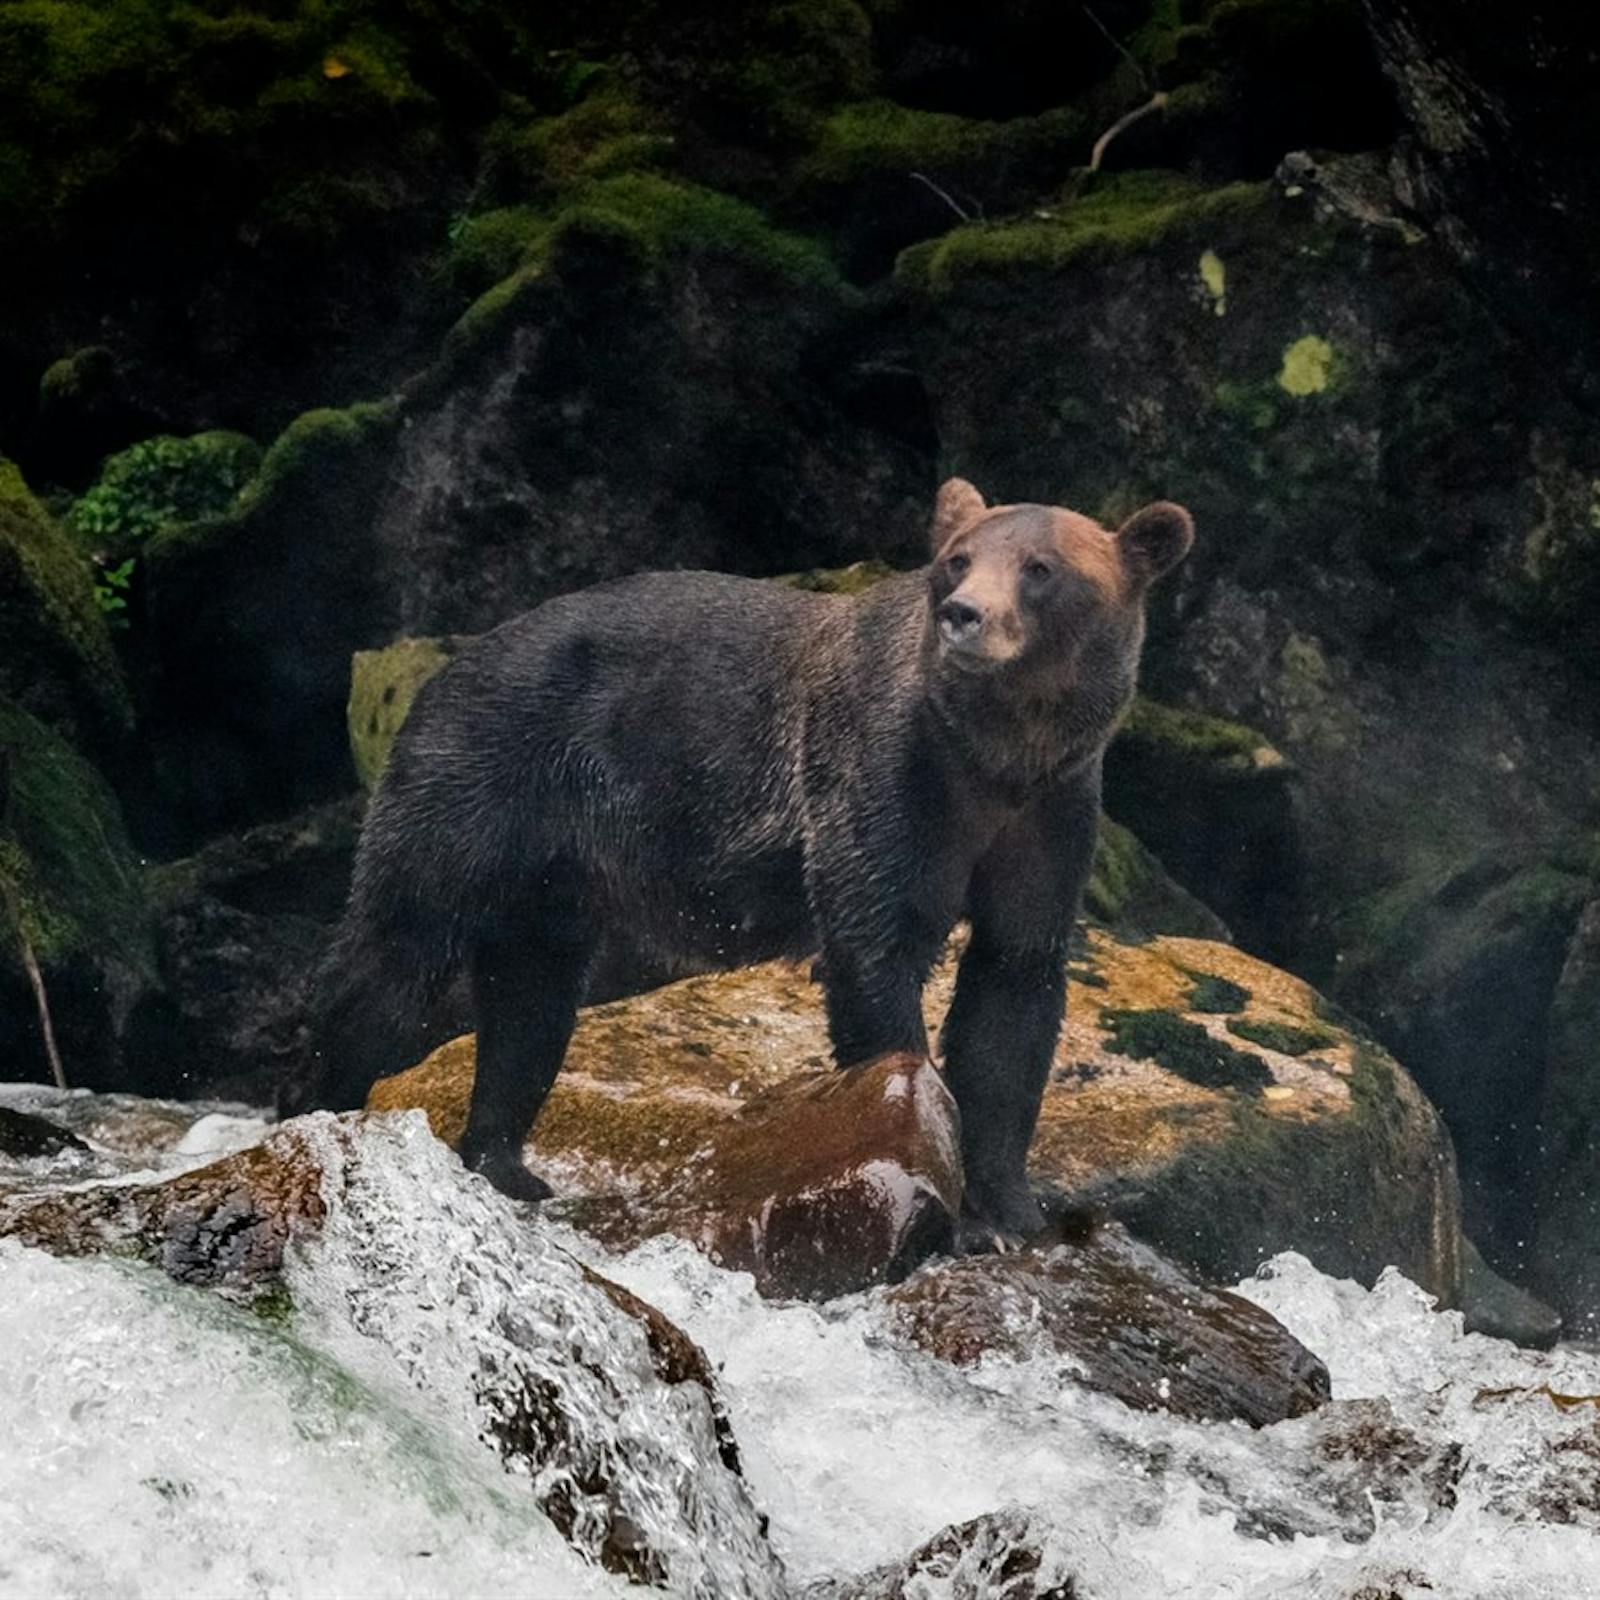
{"x":1214,"y":276}
{"x":383,"y":685}
{"x":1307,"y":366}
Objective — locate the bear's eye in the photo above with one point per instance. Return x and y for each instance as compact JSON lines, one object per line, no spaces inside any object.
{"x":1037,"y":570}
{"x":958,"y":563}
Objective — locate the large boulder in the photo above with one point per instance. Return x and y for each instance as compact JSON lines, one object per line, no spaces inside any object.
{"x":1206,"y":1099}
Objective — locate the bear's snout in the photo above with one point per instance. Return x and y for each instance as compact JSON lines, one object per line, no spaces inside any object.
{"x":960,"y":624}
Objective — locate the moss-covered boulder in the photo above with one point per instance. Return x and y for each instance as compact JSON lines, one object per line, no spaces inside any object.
{"x":56,"y":656}
{"x":1202,"y":1096}
{"x":72,"y":890}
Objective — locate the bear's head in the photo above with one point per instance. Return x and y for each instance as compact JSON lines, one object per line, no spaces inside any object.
{"x":1043,"y":591}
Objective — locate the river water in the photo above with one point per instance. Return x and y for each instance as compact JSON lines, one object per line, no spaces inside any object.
{"x":161,"y":1442}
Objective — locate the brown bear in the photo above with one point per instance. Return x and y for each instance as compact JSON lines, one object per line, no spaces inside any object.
{"x":712,"y":770}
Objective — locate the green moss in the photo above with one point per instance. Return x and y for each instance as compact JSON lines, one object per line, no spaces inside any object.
{"x":1184,"y":1048}
{"x":64,"y":852}
{"x":317,"y":439}
{"x":47,"y":599}
{"x":1129,"y":890}
{"x":1283,"y":1037}
{"x":1124,"y":214}
{"x":858,"y":577}
{"x":607,"y":133}
{"x":644,"y":221}
{"x":383,"y":685}
{"x":161,"y":481}
{"x":489,"y":247}
{"x":1213,"y":994}
{"x":1196,"y":739}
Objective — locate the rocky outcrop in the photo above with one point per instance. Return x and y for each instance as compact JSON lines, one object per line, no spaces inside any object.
{"x":1134,"y":1325}
{"x":604,"y":1409}
{"x":1207,"y":1099}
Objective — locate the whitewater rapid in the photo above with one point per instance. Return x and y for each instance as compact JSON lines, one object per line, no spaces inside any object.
{"x":162,"y":1442}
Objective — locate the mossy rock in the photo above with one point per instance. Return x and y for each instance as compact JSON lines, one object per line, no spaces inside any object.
{"x":56,"y":655}
{"x":1123,"y":214}
{"x":65,"y":852}
{"x":1334,"y":1153}
{"x":1129,"y":890}
{"x":383,"y":684}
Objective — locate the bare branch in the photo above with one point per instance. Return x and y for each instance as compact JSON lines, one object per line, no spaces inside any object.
{"x":41,"y":999}
{"x":960,"y":210}
{"x":1156,"y":102}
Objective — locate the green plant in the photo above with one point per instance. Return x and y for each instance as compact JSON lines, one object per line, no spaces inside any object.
{"x":111,"y":586}
{"x":156,"y":483}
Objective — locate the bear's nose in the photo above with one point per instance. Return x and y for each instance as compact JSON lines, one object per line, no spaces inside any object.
{"x":959,"y":622}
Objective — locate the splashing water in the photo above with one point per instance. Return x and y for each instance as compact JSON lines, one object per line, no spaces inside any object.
{"x":161,"y":1441}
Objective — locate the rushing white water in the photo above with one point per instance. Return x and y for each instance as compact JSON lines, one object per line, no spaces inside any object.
{"x":159,"y":1441}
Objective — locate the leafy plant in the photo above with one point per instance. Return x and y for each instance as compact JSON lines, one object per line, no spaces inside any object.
{"x":157,"y":482}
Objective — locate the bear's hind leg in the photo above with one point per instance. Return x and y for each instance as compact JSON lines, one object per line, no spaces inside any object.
{"x":525,"y":993}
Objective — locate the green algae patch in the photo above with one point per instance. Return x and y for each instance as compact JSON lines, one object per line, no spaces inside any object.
{"x":1308,"y":367}
{"x":48,"y":607}
{"x":1185,"y":1049}
{"x":1283,"y":1037}
{"x":1123,"y":215}
{"x":64,"y":852}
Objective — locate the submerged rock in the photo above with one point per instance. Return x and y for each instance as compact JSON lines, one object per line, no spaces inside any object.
{"x":1140,"y":1328}
{"x":1001,"y":1556}
{"x":370,"y":1229}
{"x":818,"y":1182}
{"x":1206,"y":1098}
{"x":24,"y":1136}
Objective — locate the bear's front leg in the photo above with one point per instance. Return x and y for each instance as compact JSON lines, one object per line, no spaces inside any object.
{"x":1000,"y":1033}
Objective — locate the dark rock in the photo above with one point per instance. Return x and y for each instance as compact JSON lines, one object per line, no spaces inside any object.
{"x":1001,"y":1556}
{"x":1501,"y":1310}
{"x":23,"y":1136}
{"x":1139,"y":1327}
{"x":240,"y":932}
{"x":1566,"y":1254}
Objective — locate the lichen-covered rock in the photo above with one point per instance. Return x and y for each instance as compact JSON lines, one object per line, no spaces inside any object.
{"x":817,"y":1182}
{"x":606,"y":1411}
{"x":1203,"y":1096}
{"x":1137,"y":1326}
{"x":383,"y":683}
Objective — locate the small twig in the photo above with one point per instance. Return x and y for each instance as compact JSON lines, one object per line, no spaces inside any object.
{"x":1156,"y":102}
{"x":41,"y":999}
{"x":1117,"y":45}
{"x":960,"y":210}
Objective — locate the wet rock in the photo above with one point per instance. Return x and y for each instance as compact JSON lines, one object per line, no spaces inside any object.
{"x":1002,"y":1556}
{"x":1138,"y":1327}
{"x":25,"y":1137}
{"x":1492,"y":1306}
{"x":1207,"y":1099}
{"x":816,"y":1181}
{"x":607,"y":1410}
{"x":225,"y":1225}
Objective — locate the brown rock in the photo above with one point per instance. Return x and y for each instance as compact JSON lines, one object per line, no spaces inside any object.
{"x":1140,"y":1328}
{"x":1212,"y":1102}
{"x":226,"y":1224}
{"x":818,"y":1183}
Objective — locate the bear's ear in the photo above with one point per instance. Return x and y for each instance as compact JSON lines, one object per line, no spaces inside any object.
{"x":958,"y":503}
{"x":1155,"y":539}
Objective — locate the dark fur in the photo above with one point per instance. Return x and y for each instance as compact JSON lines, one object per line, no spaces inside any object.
{"x":717,"y":771}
